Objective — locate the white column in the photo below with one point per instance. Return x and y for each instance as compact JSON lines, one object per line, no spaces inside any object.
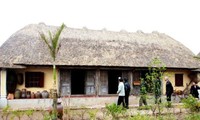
{"x":3,"y":100}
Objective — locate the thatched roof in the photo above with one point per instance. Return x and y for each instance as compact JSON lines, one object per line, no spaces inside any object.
{"x":84,"y":47}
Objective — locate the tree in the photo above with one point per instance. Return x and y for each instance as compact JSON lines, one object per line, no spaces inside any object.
{"x":53,"y":44}
{"x":153,"y":84}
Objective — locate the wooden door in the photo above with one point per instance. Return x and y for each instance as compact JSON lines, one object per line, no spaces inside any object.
{"x":65,"y":82}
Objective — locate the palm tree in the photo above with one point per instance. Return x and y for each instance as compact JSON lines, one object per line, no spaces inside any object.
{"x":53,"y":44}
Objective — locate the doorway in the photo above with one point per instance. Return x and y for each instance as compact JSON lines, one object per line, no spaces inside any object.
{"x":113,"y":81}
{"x":78,"y":81}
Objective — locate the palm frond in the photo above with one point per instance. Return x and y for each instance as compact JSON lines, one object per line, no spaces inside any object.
{"x":53,"y":44}
{"x":45,"y":40}
{"x":50,"y":36}
{"x":56,"y":38}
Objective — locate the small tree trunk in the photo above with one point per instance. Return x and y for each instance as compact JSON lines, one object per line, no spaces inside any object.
{"x":54,"y":112}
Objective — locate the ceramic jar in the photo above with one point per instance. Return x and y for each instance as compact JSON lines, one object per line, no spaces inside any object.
{"x":28,"y":94}
{"x":17,"y":94}
{"x":32,"y":95}
{"x":45,"y":94}
{"x":23,"y":94}
{"x":38,"y":94}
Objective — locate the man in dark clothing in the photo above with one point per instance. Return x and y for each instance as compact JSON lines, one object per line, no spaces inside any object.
{"x":169,"y":89}
{"x":194,"y":90}
{"x":127,"y":91}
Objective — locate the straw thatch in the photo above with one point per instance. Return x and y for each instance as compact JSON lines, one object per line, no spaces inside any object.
{"x":84,"y":47}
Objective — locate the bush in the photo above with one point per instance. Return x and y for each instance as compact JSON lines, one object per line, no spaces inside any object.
{"x":146,"y":107}
{"x":115,"y":110}
{"x":191,"y":103}
{"x":193,"y":117}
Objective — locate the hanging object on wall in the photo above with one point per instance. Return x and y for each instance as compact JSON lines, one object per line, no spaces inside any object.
{"x":20,"y":79}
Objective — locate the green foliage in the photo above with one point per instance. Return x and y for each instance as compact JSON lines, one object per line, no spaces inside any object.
{"x":159,"y":107}
{"x":143,"y":93}
{"x":5,"y":112}
{"x":168,"y":104}
{"x":29,"y":112}
{"x":195,"y":116}
{"x":146,"y":107}
{"x":156,"y":69}
{"x":92,"y":113}
{"x":143,"y":90}
{"x":53,"y":45}
{"x":141,"y":117}
{"x":115,"y":110}
{"x":197,"y":57}
{"x":47,"y":116}
{"x":143,"y":100}
{"x":152,"y":81}
{"x":53,"y":42}
{"x":191,"y":103}
{"x":17,"y":113}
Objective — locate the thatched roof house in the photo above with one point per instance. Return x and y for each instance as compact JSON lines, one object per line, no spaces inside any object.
{"x":89,"y":62}
{"x":84,"y":47}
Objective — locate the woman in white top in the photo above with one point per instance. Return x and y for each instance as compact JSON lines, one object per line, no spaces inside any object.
{"x":121,"y":92}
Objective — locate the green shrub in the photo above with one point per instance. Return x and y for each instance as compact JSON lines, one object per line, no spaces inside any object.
{"x":168,"y":104}
{"x":92,"y":113}
{"x":191,"y":103}
{"x":29,"y":112}
{"x":115,"y":110}
{"x":146,"y":107}
{"x":17,"y":113}
{"x":5,"y":112}
{"x":193,"y":117}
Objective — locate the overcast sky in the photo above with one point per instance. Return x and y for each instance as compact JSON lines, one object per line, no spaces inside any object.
{"x":179,"y":19}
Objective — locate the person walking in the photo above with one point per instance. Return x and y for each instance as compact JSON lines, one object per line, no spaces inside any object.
{"x":169,"y":89}
{"x":194,"y":90}
{"x":127,"y":92}
{"x":121,"y":92}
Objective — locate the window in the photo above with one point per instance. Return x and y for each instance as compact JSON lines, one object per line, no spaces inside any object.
{"x":34,"y":79}
{"x":178,"y":79}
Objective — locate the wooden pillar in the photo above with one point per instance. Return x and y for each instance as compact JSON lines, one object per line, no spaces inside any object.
{"x":130,"y":75}
{"x":3,"y":91}
{"x":97,"y":81}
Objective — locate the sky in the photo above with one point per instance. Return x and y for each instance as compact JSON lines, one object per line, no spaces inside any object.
{"x":180,"y":19}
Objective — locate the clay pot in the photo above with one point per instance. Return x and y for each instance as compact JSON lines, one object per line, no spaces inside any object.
{"x":23,"y":95}
{"x":38,"y":94}
{"x":45,"y":94}
{"x":28,"y":94}
{"x":32,"y":95}
{"x":17,"y":94}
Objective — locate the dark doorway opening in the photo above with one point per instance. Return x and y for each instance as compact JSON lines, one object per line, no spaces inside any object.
{"x":113,"y":81}
{"x":78,"y":81}
{"x":11,"y":83}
